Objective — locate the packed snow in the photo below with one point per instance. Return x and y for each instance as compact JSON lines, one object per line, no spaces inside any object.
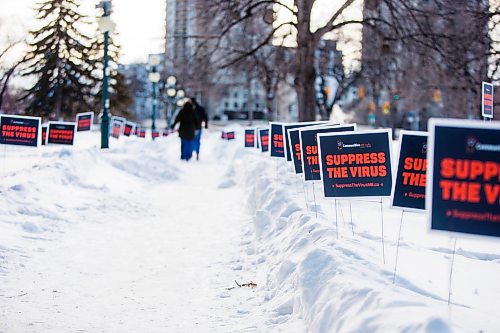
{"x":132,"y":239}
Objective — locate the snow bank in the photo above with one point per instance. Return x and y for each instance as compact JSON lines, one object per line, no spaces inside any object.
{"x":43,"y":190}
{"x":333,"y":279}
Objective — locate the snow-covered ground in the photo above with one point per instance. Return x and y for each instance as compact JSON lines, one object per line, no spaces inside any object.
{"x":133,"y":240}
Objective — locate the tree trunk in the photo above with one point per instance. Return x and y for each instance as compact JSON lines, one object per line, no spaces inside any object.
{"x":271,"y":112}
{"x":304,"y":82}
{"x":305,"y":71}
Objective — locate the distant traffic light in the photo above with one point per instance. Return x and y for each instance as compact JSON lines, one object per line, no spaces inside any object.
{"x":396,"y":94}
{"x":386,"y":108}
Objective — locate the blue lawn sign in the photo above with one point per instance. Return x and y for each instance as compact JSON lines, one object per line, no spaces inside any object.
{"x":463,"y":176}
{"x":288,"y":127}
{"x":84,"y":121}
{"x":129,"y":129}
{"x":45,"y":128}
{"x":295,"y":151}
{"x":276,"y":144}
{"x":309,"y":147}
{"x":61,"y":133}
{"x":356,"y":164}
{"x":20,"y":130}
{"x":118,"y":120}
{"x":410,"y":176}
{"x":293,"y":143}
{"x":487,"y":100}
{"x":264,"y":140}
{"x":250,"y":138}
{"x":117,"y":128}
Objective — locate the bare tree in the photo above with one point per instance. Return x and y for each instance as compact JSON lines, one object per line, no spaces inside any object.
{"x":7,"y":68}
{"x":297,"y":25}
{"x":444,"y":33}
{"x":432,"y":54}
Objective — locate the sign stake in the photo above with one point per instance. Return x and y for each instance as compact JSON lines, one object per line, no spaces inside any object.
{"x":350,"y":213}
{"x":336,"y":221}
{"x":297,"y":189}
{"x":382,"y":216}
{"x":276,"y":173}
{"x":341,"y":212}
{"x":315,"y":205}
{"x":397,"y":247}
{"x":4,"y":159}
{"x":451,"y":270}
{"x":305,"y":194}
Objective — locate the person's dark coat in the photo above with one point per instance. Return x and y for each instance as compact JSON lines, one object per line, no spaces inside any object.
{"x":201,"y":113}
{"x":188,"y":122}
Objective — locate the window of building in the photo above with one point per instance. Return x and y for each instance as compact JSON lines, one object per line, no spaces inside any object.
{"x":236,"y":105}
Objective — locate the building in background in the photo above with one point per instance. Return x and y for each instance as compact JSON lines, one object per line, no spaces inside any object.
{"x":141,"y":89}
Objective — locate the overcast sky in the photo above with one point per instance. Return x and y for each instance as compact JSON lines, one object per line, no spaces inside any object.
{"x":140,"y":24}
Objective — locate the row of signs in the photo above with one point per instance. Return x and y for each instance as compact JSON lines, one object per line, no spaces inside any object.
{"x":452,"y":172}
{"x":122,"y":127}
{"x":257,"y":138}
{"x":28,"y":131}
{"x":25,"y":131}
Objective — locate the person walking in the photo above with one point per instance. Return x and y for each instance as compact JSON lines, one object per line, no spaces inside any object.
{"x":188,"y":121}
{"x":202,"y":118}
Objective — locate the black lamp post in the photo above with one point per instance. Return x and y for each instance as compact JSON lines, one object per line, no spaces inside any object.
{"x":154,"y":78}
{"x":106,"y":26}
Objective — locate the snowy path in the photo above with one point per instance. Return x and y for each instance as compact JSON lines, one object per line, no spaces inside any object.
{"x":160,"y":267}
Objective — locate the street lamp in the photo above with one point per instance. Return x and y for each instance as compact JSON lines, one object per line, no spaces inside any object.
{"x":154,"y":78}
{"x":172,"y":95}
{"x":180,"y":97}
{"x":106,"y":26}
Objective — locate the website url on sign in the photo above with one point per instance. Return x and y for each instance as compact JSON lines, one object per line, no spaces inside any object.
{"x":463,"y":215}
{"x":356,"y":185}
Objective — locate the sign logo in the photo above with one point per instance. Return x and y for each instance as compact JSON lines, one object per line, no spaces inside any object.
{"x":470,"y":144}
{"x":424,"y":148}
{"x":340,"y":144}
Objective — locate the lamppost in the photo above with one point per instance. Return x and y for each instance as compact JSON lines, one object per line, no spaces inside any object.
{"x":106,"y":26}
{"x":154,"y":77}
